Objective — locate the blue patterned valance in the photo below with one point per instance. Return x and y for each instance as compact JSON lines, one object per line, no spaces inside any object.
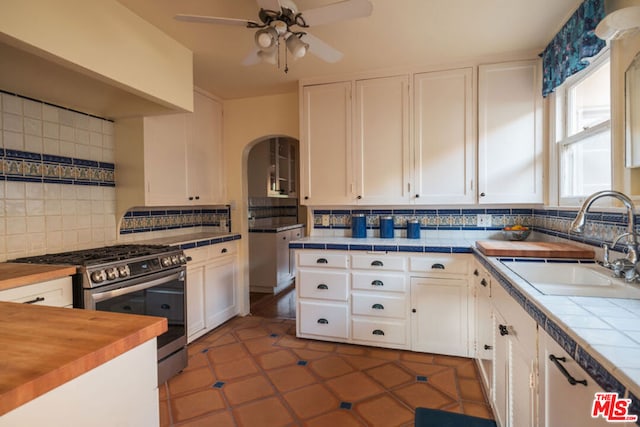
{"x":566,"y":53}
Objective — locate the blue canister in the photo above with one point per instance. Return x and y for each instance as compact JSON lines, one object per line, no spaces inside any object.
{"x":358,"y":226}
{"x":413,"y":229}
{"x":386,"y":227}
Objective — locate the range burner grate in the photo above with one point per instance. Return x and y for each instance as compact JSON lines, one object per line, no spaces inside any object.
{"x":86,"y":257}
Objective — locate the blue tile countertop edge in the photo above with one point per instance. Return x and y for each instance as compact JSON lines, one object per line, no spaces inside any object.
{"x":602,"y":370}
{"x":194,"y":240}
{"x":274,"y":229}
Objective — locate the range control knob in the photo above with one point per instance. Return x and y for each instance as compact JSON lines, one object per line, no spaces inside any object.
{"x":165,"y":261}
{"x":124,"y":271}
{"x":175,"y":260}
{"x":98,"y":276}
{"x":183,"y":259}
{"x":112,"y":273}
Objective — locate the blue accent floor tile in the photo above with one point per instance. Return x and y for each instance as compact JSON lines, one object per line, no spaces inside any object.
{"x":205,"y":350}
{"x":421,"y":378}
{"x":273,"y":335}
{"x":346,"y":405}
{"x":218,"y":384}
{"x":302,"y":363}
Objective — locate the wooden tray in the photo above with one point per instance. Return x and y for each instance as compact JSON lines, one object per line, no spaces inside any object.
{"x":534,"y":249}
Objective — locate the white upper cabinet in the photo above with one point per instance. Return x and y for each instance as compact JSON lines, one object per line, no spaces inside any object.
{"x":171,"y":160}
{"x":325,"y":146}
{"x":444,"y":137}
{"x":381,"y":145}
{"x":510,"y":151}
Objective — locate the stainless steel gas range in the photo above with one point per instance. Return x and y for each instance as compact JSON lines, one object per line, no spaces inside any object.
{"x":134,"y":279}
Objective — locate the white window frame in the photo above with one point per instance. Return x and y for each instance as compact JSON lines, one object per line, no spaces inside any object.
{"x":559,"y":120}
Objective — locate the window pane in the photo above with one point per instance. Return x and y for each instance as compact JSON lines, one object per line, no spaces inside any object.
{"x":589,"y":101}
{"x":586,"y":165}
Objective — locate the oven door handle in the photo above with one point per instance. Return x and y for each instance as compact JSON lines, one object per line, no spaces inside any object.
{"x":101,"y":296}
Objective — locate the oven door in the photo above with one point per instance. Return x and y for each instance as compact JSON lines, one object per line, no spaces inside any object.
{"x":160,"y":294}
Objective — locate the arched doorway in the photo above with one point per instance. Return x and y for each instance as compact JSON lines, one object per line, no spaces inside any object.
{"x":275,"y":217}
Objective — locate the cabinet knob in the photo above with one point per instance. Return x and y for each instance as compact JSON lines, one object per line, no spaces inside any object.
{"x":224,"y":251}
{"x":476,"y":272}
{"x":306,"y":197}
{"x":190,"y":197}
{"x":359,"y":197}
{"x":197,"y":197}
{"x":413,"y":310}
{"x":482,"y":194}
{"x":417,"y":196}
{"x":483,"y":282}
{"x":488,"y":347}
{"x":503,"y":330}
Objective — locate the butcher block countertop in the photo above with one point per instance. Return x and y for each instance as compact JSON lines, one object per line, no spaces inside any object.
{"x":13,"y":275}
{"x":534,"y":249}
{"x":43,"y":347}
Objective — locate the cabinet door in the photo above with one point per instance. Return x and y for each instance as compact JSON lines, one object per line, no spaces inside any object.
{"x":221,"y":299}
{"x":557,"y":394}
{"x":195,"y":302}
{"x":483,"y":325}
{"x":440,"y":320}
{"x":500,"y":371}
{"x":204,"y":151}
{"x":510,"y":152}
{"x":382,"y":158}
{"x":165,"y":159}
{"x":282,"y":256}
{"x":444,"y":137}
{"x":325,"y":146}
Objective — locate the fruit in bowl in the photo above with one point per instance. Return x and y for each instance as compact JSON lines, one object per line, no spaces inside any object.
{"x":516,"y":232}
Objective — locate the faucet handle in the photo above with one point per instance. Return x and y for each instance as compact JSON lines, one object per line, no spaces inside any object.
{"x":605,"y":256}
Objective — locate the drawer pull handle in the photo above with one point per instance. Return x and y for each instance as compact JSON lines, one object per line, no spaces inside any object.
{"x":322,"y":261}
{"x":483,"y":282}
{"x":323,"y":321}
{"x":377,"y":307}
{"x":437,"y":266}
{"x":377,"y":283}
{"x":378,"y":332}
{"x":322,"y":286}
{"x":488,"y":347}
{"x":567,"y":375}
{"x":377,"y":263}
{"x":224,"y":251}
{"x":35,"y":300}
{"x":503,"y":330}
{"x":476,"y":272}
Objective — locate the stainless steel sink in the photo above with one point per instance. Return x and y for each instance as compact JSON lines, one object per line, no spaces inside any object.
{"x":573,"y":279}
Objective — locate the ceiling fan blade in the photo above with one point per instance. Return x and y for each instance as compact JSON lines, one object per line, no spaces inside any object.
{"x":252,"y":58}
{"x":341,"y":11}
{"x":215,"y":20}
{"x":269,"y":4}
{"x":321,"y":49}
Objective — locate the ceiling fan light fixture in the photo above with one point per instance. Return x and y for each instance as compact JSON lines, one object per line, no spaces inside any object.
{"x":266,"y":38}
{"x":296,"y":46}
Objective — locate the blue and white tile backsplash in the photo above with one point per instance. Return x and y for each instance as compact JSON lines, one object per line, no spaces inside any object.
{"x":268,"y":211}
{"x":144,"y":219}
{"x":600,"y":226}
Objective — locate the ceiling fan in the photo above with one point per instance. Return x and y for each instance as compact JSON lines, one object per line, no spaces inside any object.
{"x":281,"y":24}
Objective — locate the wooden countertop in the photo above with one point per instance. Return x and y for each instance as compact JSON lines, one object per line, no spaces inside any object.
{"x":43,"y":347}
{"x":534,"y":249}
{"x":13,"y":275}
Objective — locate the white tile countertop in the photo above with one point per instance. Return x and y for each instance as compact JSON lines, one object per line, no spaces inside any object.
{"x":191,"y":240}
{"x":602,"y":334}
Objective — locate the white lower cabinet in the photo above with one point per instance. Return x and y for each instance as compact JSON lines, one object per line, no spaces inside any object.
{"x":212,"y":294}
{"x":54,"y":293}
{"x":327,"y":320}
{"x":483,"y":325}
{"x":557,"y":394}
{"x":515,"y":362}
{"x":440,"y":313}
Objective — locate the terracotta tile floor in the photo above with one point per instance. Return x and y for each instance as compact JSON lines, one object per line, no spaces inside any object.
{"x":253,"y":371}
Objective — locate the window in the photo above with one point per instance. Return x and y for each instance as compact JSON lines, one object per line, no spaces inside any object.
{"x":584,"y":137}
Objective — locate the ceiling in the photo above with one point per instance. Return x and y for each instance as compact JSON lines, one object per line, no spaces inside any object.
{"x":399,"y":33}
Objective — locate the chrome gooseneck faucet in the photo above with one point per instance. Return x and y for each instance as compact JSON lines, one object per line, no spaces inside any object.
{"x":628,"y":266}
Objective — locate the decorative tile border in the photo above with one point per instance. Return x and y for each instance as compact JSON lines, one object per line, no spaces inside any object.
{"x":150,"y":219}
{"x":384,"y":248}
{"x":26,"y":166}
{"x":208,"y":242}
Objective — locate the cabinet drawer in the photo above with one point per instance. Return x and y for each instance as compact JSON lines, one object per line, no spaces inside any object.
{"x":325,"y":319}
{"x":378,"y":262}
{"x":380,"y":331}
{"x":197,"y":255}
{"x":221,"y":249}
{"x":440,"y":264}
{"x":385,"y":282}
{"x":323,"y":284}
{"x":322,"y":259}
{"x":371,"y":304}
{"x":55,"y":293}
